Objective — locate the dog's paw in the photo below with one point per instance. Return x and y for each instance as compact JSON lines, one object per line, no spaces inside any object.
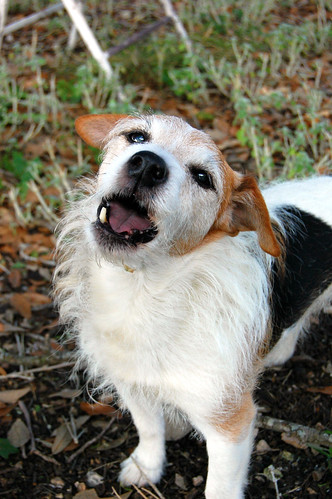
{"x":135,"y":472}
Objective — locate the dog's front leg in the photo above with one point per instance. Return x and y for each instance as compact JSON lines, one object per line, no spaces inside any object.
{"x":228,"y":465}
{"x":229,"y":444}
{"x":146,"y":463}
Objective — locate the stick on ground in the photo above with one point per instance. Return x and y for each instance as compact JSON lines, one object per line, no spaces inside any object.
{"x":304,"y":434}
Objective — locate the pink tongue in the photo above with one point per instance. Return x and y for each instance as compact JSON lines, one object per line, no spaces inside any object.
{"x":125,"y":219}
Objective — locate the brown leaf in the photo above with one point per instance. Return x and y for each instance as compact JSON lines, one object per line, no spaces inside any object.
{"x":21,"y":305}
{"x":62,"y":439}
{"x":86,"y":494}
{"x":37,"y":298}
{"x":126,"y":495}
{"x":66,"y":393}
{"x":18,"y":434}
{"x":71,"y":446}
{"x":262,"y":447}
{"x":97,"y":409}
{"x":6,"y":235}
{"x":15,"y":278}
{"x":5,"y":410}
{"x":293,"y":441}
{"x":39,"y":239}
{"x":327,"y":390}
{"x":38,"y":146}
{"x":6,"y":216}
{"x":112,"y":444}
{"x":180,"y":481}
{"x":13,"y":396}
{"x":80,"y":421}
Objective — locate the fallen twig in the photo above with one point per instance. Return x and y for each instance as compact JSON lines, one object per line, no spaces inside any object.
{"x":92,"y":441}
{"x":20,"y":374}
{"x":304,"y":434}
{"x":87,"y":35}
{"x":138,"y":36}
{"x":170,"y":11}
{"x":26,"y":21}
{"x":115,"y":492}
{"x":49,"y":459}
{"x":140,"y":492}
{"x":152,"y":494}
{"x":28,"y":421}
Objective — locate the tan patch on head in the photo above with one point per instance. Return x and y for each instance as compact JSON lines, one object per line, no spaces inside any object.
{"x":237,"y":422}
{"x":94,"y":128}
{"x":245,"y":210}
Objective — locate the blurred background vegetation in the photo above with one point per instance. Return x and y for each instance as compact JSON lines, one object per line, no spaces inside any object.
{"x":259,"y":81}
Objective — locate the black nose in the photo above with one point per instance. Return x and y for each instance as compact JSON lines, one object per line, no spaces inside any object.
{"x":147,"y":168}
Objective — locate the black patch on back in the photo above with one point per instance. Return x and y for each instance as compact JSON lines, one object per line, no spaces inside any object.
{"x":307,"y":270}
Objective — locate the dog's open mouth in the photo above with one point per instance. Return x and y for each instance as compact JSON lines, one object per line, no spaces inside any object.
{"x":124,"y":219}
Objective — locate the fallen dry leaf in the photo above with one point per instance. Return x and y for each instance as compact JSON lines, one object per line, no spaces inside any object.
{"x":37,"y":298}
{"x":293,"y":441}
{"x":6,"y":235}
{"x":180,"y":481}
{"x":80,"y":421}
{"x":66,"y":393}
{"x":5,"y":409}
{"x":62,"y":439}
{"x":18,"y":434}
{"x":327,"y":390}
{"x":86,"y":494}
{"x":126,"y":495}
{"x":21,"y":304}
{"x":15,"y":278}
{"x":13,"y":396}
{"x":112,"y":444}
{"x":97,"y":409}
{"x":262,"y":447}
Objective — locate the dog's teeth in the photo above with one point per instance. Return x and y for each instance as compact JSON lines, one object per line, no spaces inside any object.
{"x":102,"y":215}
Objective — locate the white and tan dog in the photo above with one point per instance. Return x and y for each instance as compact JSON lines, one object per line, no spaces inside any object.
{"x":178,"y":281}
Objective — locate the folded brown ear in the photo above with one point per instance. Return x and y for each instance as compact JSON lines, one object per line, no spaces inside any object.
{"x":94,"y":128}
{"x":247,"y":211}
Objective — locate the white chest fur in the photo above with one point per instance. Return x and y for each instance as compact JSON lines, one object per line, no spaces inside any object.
{"x":175,"y":327}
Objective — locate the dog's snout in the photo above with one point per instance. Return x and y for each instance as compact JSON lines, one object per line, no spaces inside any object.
{"x":147,"y":168}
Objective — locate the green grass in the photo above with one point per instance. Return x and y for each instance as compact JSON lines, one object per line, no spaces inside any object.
{"x":269,"y":68}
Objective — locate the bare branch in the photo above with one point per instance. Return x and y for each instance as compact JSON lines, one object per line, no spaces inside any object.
{"x":304,"y":434}
{"x":138,"y":36}
{"x":31,"y":19}
{"x":170,"y":11}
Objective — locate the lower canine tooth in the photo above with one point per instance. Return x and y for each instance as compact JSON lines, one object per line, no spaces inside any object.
{"x":102,"y":215}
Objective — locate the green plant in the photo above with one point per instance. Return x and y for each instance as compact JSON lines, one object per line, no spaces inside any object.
{"x":6,"y":448}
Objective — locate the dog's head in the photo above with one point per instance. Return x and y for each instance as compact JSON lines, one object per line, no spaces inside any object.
{"x":165,"y":184}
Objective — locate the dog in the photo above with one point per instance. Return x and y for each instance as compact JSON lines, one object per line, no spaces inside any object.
{"x":182,"y":280}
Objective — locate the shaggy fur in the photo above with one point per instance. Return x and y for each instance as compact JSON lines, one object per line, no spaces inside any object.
{"x":166,"y":274}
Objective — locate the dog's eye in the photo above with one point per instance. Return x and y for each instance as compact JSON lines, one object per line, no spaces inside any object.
{"x":137,"y":137}
{"x":202,"y":178}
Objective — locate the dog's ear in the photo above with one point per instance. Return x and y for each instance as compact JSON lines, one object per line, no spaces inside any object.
{"x":247,"y":211}
{"x":94,"y":128}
